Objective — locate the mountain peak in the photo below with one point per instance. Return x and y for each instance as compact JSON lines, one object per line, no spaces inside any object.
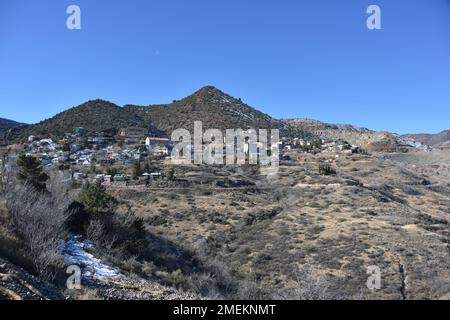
{"x":213,"y":96}
{"x":208,"y":89}
{"x":210,"y":105}
{"x":208,"y":92}
{"x":98,"y":103}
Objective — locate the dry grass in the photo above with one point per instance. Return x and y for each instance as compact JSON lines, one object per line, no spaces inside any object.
{"x":338,"y":225}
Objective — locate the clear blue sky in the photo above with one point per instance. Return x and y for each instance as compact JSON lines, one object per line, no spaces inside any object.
{"x":288,"y":58}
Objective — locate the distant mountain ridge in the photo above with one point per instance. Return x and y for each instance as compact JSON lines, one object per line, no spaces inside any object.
{"x":6,"y":124}
{"x":93,"y":116}
{"x":209,"y":105}
{"x":377,"y":141}
{"x":438,"y":140}
{"x":215,"y":109}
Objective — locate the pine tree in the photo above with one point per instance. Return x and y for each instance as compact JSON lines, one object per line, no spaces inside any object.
{"x":66,"y":147}
{"x":137,"y":170}
{"x":96,"y":200}
{"x":147,"y":167}
{"x":30,"y":171}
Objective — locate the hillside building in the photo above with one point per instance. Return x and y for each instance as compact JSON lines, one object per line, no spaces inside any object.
{"x":132,"y":135}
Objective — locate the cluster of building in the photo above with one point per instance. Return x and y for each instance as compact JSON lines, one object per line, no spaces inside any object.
{"x":131,"y":145}
{"x":85,"y":154}
{"x":103,"y":148}
{"x":90,"y":156}
{"x":338,"y":146}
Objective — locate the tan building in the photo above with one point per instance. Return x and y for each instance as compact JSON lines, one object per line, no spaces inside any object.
{"x":132,"y":135}
{"x":133,"y":132}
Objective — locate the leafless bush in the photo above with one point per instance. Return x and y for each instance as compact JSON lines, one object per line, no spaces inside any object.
{"x":252,"y":289}
{"x":39,"y":219}
{"x":205,"y":285}
{"x":307,"y":285}
{"x":410,"y":190}
{"x":95,"y":231}
{"x":216,"y":281}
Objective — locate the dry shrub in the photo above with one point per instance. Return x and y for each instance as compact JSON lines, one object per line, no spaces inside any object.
{"x":39,"y":219}
{"x":307,"y":285}
{"x":175,"y":279}
{"x":95,"y":231}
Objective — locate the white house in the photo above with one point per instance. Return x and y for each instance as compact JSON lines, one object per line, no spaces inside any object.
{"x":158,"y":146}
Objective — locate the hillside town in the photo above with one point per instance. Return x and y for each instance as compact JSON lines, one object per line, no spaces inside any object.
{"x":132,"y":155}
{"x":116,"y":178}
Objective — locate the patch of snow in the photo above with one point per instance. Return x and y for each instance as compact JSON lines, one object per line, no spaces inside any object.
{"x":74,"y":252}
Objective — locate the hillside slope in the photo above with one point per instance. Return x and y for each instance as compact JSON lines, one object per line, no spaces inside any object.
{"x":6,"y":124}
{"x":214,"y":108}
{"x":439,"y":140}
{"x":94,"y":115}
{"x":377,"y":141}
{"x":209,"y":105}
{"x":18,"y":284}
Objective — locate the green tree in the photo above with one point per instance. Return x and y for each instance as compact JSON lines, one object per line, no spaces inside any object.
{"x":137,"y":170}
{"x":30,"y":171}
{"x":96,"y":200}
{"x":326,"y":170}
{"x":147,"y":167}
{"x":112,"y":171}
{"x":142,"y":148}
{"x":171,"y":174}
{"x":84,"y":143}
{"x":66,"y":147}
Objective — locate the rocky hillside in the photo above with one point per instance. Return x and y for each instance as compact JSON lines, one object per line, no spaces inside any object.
{"x":214,"y":108}
{"x":6,"y":124}
{"x":440,"y":140}
{"x":377,"y":141}
{"x":209,"y":105}
{"x":94,"y":115}
{"x":310,"y":230}
{"x":18,"y":284}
